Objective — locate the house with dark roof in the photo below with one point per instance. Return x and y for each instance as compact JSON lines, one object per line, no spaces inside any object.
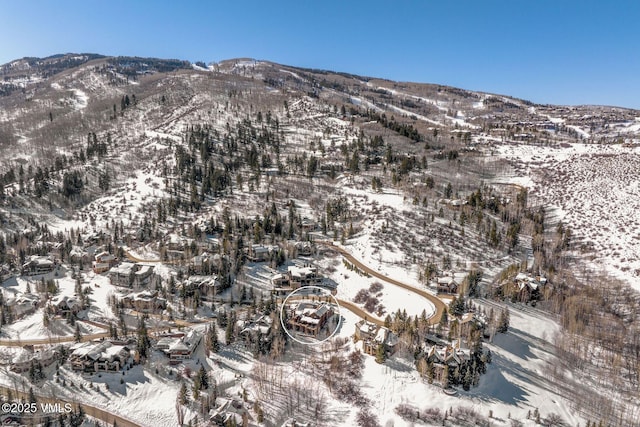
{"x":447,"y":285}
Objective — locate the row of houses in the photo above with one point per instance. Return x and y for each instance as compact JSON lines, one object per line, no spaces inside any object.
{"x":262,"y":253}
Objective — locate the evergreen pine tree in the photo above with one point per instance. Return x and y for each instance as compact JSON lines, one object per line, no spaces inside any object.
{"x":229,"y":331}
{"x":202,"y":378}
{"x":182,"y":394}
{"x":381,"y":354}
{"x":77,"y":335}
{"x":143,"y":343}
{"x":503,"y":321}
{"x":214,"y":344}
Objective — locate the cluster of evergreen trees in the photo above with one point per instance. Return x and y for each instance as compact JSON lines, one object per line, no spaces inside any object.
{"x":403,"y":129}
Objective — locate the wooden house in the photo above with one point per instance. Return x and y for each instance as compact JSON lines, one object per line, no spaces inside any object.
{"x":103,"y":261}
{"x":309,"y":318}
{"x":38,"y":265}
{"x":447,"y":285}
{"x":102,"y":356}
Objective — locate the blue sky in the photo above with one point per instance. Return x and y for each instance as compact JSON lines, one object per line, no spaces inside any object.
{"x":561,"y":52}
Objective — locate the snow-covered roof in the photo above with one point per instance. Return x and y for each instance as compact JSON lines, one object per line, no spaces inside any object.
{"x":310,"y":320}
{"x":186,"y":343}
{"x":301,"y":272}
{"x":25,"y":299}
{"x":40,"y":261}
{"x":144,"y":270}
{"x":178,"y":346}
{"x":68,"y":300}
{"x":202,"y":280}
{"x":123,"y":269}
{"x":523,"y":279}
{"x":367,"y":327}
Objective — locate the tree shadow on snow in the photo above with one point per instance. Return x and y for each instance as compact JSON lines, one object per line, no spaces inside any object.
{"x":514,"y":343}
{"x":495,"y":386}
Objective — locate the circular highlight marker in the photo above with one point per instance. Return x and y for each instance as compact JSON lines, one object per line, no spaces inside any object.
{"x":310,"y":297}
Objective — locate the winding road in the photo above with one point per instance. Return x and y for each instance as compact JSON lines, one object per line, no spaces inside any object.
{"x":439,"y":305}
{"x":110,"y":418}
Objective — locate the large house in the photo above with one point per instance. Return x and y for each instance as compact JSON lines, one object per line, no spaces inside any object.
{"x":5,"y":273}
{"x":309,"y":318}
{"x":372,"y":336}
{"x":23,"y":361}
{"x":229,"y":412}
{"x":64,"y":304}
{"x":145,"y":301}
{"x":444,"y":359}
{"x":38,"y":265}
{"x":260,"y":253}
{"x":447,"y":285}
{"x":132,"y":275}
{"x":24,"y":304}
{"x":528,"y":287}
{"x":307,"y":225}
{"x":304,"y":248}
{"x":256,"y":329}
{"x":295,"y":277}
{"x":103,"y":356}
{"x":179,"y":348}
{"x":103,"y":261}
{"x":204,"y":263}
{"x":207,"y":286}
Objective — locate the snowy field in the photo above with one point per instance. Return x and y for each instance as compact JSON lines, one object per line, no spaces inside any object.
{"x":595,"y":190}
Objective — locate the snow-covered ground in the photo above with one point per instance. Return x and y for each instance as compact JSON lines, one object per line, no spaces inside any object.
{"x":515,"y":383}
{"x":595,"y":191}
